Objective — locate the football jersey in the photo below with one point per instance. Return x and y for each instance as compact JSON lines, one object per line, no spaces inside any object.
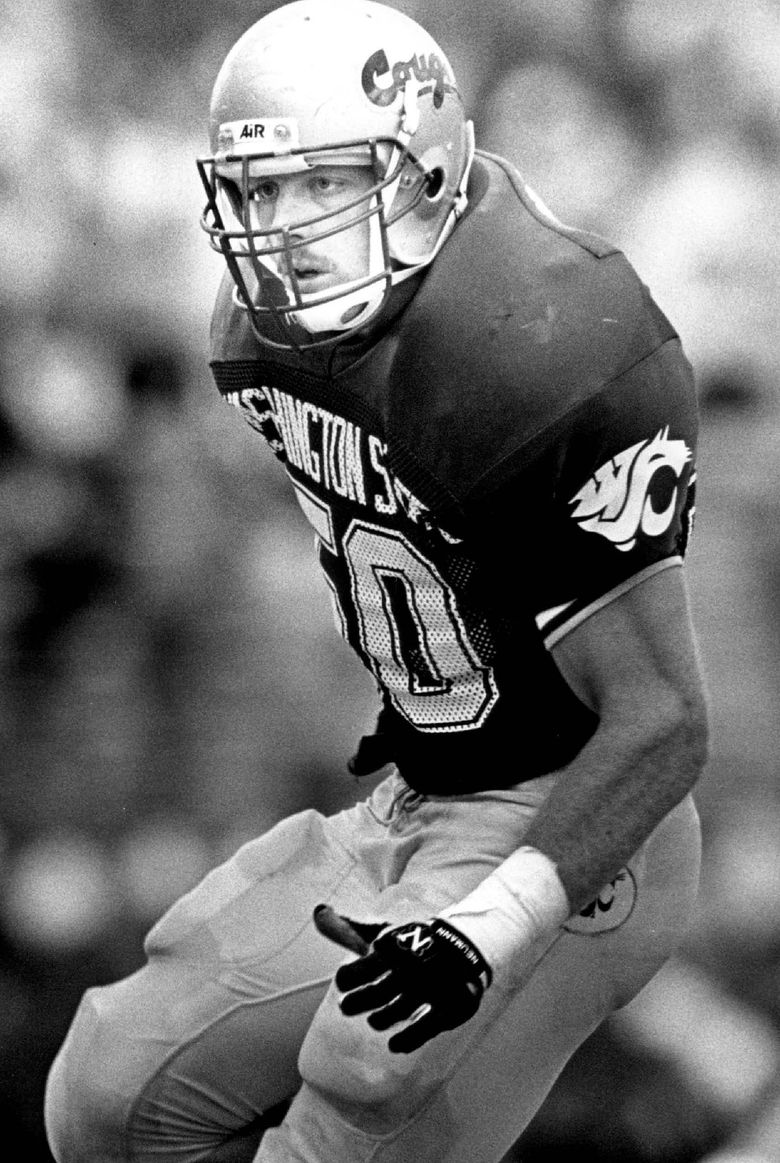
{"x":509,"y":451}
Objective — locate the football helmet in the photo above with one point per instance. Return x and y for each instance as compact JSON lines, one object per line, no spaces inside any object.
{"x":333,"y":82}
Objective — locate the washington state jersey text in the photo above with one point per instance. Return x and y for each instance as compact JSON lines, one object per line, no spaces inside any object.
{"x":330,"y":450}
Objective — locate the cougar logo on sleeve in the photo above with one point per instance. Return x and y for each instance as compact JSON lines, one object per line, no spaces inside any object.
{"x":615,"y":503}
{"x":611,"y":908}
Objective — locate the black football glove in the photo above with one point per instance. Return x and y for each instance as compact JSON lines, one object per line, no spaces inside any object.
{"x":425,"y":972}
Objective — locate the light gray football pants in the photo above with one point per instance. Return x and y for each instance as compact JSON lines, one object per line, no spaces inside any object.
{"x":234,"y":1010}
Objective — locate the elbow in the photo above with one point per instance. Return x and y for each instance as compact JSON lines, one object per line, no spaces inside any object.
{"x":701,"y":737}
{"x":688,"y":730}
{"x":671,"y":730}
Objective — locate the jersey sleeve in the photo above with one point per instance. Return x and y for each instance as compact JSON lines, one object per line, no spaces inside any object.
{"x":615,"y":492}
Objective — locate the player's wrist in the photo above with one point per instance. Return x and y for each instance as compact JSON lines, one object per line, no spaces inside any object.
{"x":520,"y":903}
{"x":462,"y":945}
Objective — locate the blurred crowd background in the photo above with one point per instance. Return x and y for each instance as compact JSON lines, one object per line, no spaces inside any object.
{"x":170,"y":681}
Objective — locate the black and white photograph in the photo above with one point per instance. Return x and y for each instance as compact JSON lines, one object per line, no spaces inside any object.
{"x":390,"y":581}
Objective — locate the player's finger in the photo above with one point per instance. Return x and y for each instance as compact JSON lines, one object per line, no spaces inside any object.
{"x":354,"y":935}
{"x":416,"y":1034}
{"x":398,"y":1010}
{"x":371,"y":997}
{"x":356,"y":974}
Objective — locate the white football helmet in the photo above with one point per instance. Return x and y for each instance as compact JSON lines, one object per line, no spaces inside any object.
{"x":328,"y":82}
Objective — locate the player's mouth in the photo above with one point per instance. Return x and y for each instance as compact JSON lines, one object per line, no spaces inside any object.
{"x":312,"y":275}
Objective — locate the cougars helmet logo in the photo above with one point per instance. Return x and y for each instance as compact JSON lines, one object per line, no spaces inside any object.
{"x":615,"y":503}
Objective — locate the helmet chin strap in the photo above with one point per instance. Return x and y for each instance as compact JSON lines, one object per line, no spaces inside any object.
{"x":349,"y":311}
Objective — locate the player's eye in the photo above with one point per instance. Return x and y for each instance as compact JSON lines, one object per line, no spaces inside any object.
{"x":266,"y":191}
{"x":326,"y":185}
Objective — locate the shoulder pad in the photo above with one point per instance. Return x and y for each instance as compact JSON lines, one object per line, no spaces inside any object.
{"x":518,"y":321}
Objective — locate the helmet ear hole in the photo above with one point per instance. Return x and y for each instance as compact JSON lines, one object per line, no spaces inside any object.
{"x":437,"y":182}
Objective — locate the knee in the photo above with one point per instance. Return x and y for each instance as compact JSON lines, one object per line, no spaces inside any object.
{"x":87,"y":1093}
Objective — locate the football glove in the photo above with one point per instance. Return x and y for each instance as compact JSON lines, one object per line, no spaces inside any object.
{"x":424,"y":973}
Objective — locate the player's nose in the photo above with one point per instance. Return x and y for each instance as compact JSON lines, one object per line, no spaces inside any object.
{"x":292,"y":208}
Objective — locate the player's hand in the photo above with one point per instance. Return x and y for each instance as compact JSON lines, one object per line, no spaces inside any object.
{"x":424,"y":973}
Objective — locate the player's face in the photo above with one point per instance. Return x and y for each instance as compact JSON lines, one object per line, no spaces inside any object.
{"x":286,"y":199}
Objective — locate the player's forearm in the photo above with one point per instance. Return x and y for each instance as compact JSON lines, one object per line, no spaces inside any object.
{"x":605,"y":804}
{"x":621,"y":785}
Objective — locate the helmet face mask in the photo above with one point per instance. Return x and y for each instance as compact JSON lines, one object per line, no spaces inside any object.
{"x":261,"y":259}
{"x":282,"y":100}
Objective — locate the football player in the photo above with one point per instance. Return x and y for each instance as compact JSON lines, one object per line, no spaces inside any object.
{"x":492,"y":428}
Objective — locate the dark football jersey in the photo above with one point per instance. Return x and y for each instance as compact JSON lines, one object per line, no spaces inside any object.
{"x":510,"y":451}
